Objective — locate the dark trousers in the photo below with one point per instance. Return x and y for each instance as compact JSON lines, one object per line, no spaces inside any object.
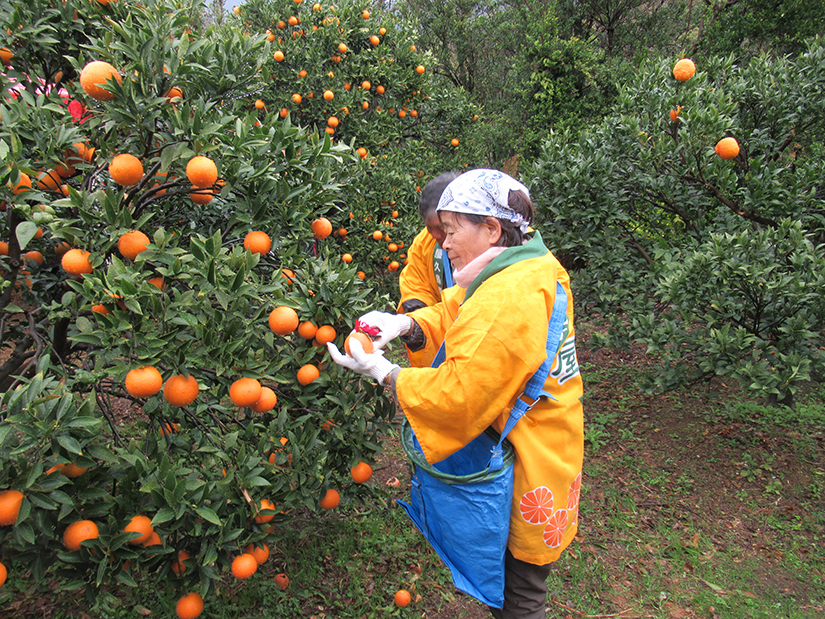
{"x":525,"y":590}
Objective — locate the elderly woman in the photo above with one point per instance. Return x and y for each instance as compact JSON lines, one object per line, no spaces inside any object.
{"x":494,"y":327}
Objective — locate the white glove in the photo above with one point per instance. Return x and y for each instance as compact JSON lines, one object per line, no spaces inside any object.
{"x":389,"y":326}
{"x":373,"y":365}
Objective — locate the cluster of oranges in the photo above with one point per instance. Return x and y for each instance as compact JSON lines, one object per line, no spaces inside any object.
{"x":683,"y":70}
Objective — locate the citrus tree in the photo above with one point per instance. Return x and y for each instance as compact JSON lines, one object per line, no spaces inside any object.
{"x":695,"y":214}
{"x":355,"y":72}
{"x":169,"y":281}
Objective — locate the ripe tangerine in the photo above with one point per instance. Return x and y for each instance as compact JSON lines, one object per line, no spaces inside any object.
{"x":243,"y":566}
{"x":727,"y":148}
{"x":307,"y":374}
{"x":322,"y":228}
{"x":331,"y":499}
{"x":131,"y":243}
{"x":181,"y":390}
{"x":78,"y":532}
{"x":266,"y":402}
{"x":143,"y":382}
{"x":283,"y":320}
{"x":95,"y":75}
{"x":202,"y":171}
{"x":402,"y":598}
{"x":10,"y":501}
{"x":245,"y":391}
{"x":140,"y":524}
{"x":684,"y":69}
{"x":189,"y":606}
{"x":126,"y":169}
{"x":366,"y":342}
{"x":325,"y":334}
{"x":361,"y":472}
{"x":257,"y":242}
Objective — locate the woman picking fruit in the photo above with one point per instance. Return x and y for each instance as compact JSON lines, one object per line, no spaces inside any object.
{"x":494,"y":327}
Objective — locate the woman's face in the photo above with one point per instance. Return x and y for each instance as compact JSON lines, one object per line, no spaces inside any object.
{"x":465,"y":240}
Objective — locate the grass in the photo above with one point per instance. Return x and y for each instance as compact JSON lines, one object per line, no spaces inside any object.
{"x":694,"y":504}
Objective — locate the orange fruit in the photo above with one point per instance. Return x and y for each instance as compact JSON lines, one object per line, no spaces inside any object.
{"x":132,"y":243}
{"x":72,"y":471}
{"x":126,"y":169}
{"x":365,"y":14}
{"x":34,"y":256}
{"x":420,"y":69}
{"x":283,"y":320}
{"x":189,"y":606}
{"x":362,"y":152}
{"x":3,"y":574}
{"x":154,"y":540}
{"x":95,"y":76}
{"x":76,"y":262}
{"x":243,"y":566}
{"x":282,"y":580}
{"x":257,"y":242}
{"x":266,"y":402}
{"x":259,"y":105}
{"x":140,"y":524}
{"x":4,"y":248}
{"x":322,"y":228}
{"x":361,"y":275}
{"x":374,"y":40}
{"x":100,"y":309}
{"x":202,"y":171}
{"x":296,"y":98}
{"x":264,"y":518}
{"x":6,"y":55}
{"x":24,"y":184}
{"x":382,"y":31}
{"x":174,"y":91}
{"x":261,"y":553}
{"x":143,"y":382}
{"x":169,"y":428}
{"x":328,"y":95}
{"x":361,"y":472}
{"x":342,"y":232}
{"x":307,"y":330}
{"x":684,"y":69}
{"x":365,"y":340}
{"x":366,"y":85}
{"x":392,"y":247}
{"x":674,"y":114}
{"x":201,"y":196}
{"x":402,"y":598}
{"x":10,"y":501}
{"x":454,"y":141}
{"x":332,"y":121}
{"x":78,"y":532}
{"x":157,"y":282}
{"x":325,"y":334}
{"x":48,"y":181}
{"x":178,"y":565}
{"x":347,"y":258}
{"x":394,"y":266}
{"x":278,"y":56}
{"x":307,"y":374}
{"x":181,"y":390}
{"x":245,"y":391}
{"x":727,"y":148}
{"x":284,"y":112}
{"x":378,"y":235}
{"x":331,"y":499}
{"x":61,"y":248}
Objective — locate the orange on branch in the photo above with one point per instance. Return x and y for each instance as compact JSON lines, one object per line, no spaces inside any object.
{"x":95,"y":76}
{"x":78,"y":532}
{"x":202,"y":171}
{"x":131,"y":243}
{"x":10,"y":501}
{"x":331,"y":499}
{"x":361,"y":472}
{"x":684,"y":69}
{"x":126,"y":169}
{"x":325,"y":334}
{"x":144,"y":382}
{"x":266,"y":402}
{"x":257,"y":242}
{"x":307,"y":374}
{"x":307,"y":330}
{"x":189,"y":606}
{"x":140,"y":524}
{"x":322,"y":228}
{"x":260,"y":552}
{"x":245,"y":391}
{"x":283,"y":320}
{"x":181,"y":390}
{"x":243,"y":566}
{"x":265,"y":504}
{"x":727,"y":148}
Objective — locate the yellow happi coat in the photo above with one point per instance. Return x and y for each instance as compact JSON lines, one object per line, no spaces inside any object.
{"x":422,"y":278}
{"x":495,"y":341}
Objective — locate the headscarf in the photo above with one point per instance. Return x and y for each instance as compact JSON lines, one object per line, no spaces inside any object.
{"x":483,"y":192}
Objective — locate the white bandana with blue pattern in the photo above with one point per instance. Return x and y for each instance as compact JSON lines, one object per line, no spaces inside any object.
{"x":483,"y":192}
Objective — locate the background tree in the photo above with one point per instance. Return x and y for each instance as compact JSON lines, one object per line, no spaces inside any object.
{"x":715,"y":263}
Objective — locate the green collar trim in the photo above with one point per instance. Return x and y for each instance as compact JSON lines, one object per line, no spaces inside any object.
{"x":534,"y":248}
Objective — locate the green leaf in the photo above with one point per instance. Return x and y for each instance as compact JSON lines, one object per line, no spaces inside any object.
{"x":25,"y":232}
{"x":69,"y":443}
{"x":208,"y":514}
